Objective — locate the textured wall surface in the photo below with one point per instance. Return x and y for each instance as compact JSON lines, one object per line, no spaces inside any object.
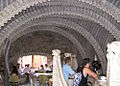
{"x":82,"y":27}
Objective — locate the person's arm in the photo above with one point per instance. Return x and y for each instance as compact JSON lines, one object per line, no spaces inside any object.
{"x":71,"y":71}
{"x":0,"y":77}
{"x":91,"y":73}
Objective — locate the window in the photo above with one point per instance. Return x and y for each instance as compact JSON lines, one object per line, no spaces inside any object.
{"x":33,"y":60}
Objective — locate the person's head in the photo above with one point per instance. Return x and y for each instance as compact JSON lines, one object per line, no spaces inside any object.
{"x":14,"y":70}
{"x":68,"y":60}
{"x":42,"y":67}
{"x":18,"y":65}
{"x":86,"y":62}
{"x":27,"y":65}
{"x":46,"y":65}
{"x":79,"y":69}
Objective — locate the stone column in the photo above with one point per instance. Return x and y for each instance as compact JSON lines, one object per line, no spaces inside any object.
{"x":5,"y":55}
{"x":58,"y":79}
{"x":113,"y":65}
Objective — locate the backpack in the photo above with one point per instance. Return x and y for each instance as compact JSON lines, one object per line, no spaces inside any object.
{"x":77,"y":79}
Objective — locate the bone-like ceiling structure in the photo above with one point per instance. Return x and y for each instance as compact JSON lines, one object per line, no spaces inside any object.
{"x":81,"y":27}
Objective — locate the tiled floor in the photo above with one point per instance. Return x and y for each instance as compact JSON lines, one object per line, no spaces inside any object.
{"x":29,"y":84}
{"x":35,"y":84}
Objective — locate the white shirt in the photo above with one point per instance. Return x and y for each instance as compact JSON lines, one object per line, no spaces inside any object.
{"x":19,"y":71}
{"x":47,"y":69}
{"x":26,"y":70}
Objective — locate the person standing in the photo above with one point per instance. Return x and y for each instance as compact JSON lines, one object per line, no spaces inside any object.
{"x":85,"y":70}
{"x":67,"y":70}
{"x":19,"y":69}
{"x":1,"y":81}
{"x":26,"y":71}
{"x":14,"y":78}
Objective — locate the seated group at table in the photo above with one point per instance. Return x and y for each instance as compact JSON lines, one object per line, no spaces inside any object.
{"x":26,"y":73}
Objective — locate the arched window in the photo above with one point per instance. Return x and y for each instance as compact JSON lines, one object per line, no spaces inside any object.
{"x":33,"y":60}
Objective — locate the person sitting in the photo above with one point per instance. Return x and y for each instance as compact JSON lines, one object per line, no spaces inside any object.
{"x":26,"y":71}
{"x":14,"y":77}
{"x":51,"y":68}
{"x":42,"y":67}
{"x":1,"y":76}
{"x":2,"y":70}
{"x":47,"y":69}
{"x":85,"y":70}
{"x":1,"y":81}
{"x":42,"y":70}
{"x":19,"y":70}
{"x":67,"y":70}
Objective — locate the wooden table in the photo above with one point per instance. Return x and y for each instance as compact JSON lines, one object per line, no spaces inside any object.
{"x":101,"y":83}
{"x":35,"y":76}
{"x":46,"y":74}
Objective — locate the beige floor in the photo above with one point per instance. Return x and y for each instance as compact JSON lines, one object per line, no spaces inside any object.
{"x":35,"y":84}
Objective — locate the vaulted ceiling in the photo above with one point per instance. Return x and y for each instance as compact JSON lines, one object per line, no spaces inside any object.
{"x":81,"y":27}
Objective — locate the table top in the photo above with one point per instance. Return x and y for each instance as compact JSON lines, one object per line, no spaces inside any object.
{"x":100,"y":83}
{"x":46,"y":74}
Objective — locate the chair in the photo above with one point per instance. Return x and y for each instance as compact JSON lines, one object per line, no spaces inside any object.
{"x":43,"y":80}
{"x":1,"y":81}
{"x":41,"y":71}
{"x":14,"y":80}
{"x":23,"y":79}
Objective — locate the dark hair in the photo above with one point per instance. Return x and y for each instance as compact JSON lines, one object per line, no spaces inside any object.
{"x":18,"y":65}
{"x":27,"y":65}
{"x":85,"y":61}
{"x":15,"y":70}
{"x":41,"y":65}
{"x":67,"y":59}
{"x":79,"y":69}
{"x":46,"y":65}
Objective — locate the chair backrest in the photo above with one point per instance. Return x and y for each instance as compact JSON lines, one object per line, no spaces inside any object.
{"x":1,"y":81}
{"x":41,"y":71}
{"x":43,"y":79}
{"x":14,"y":78}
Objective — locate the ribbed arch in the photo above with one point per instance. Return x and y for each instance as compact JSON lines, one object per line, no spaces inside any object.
{"x":95,"y":29}
{"x":64,"y":33}
{"x":79,"y":29}
{"x":5,"y":3}
{"x":91,"y":40}
{"x":105,"y":6}
{"x":82,"y":12}
{"x":71,"y":12}
{"x":20,"y":5}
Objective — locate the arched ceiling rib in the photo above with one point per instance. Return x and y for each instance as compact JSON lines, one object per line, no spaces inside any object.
{"x":5,"y":3}
{"x":20,"y":5}
{"x":92,"y":10}
{"x":105,"y":6}
{"x":29,"y":29}
{"x":115,"y":2}
{"x":75,"y":26}
{"x":41,"y":41}
{"x":95,"y":29}
{"x":85,"y":13}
